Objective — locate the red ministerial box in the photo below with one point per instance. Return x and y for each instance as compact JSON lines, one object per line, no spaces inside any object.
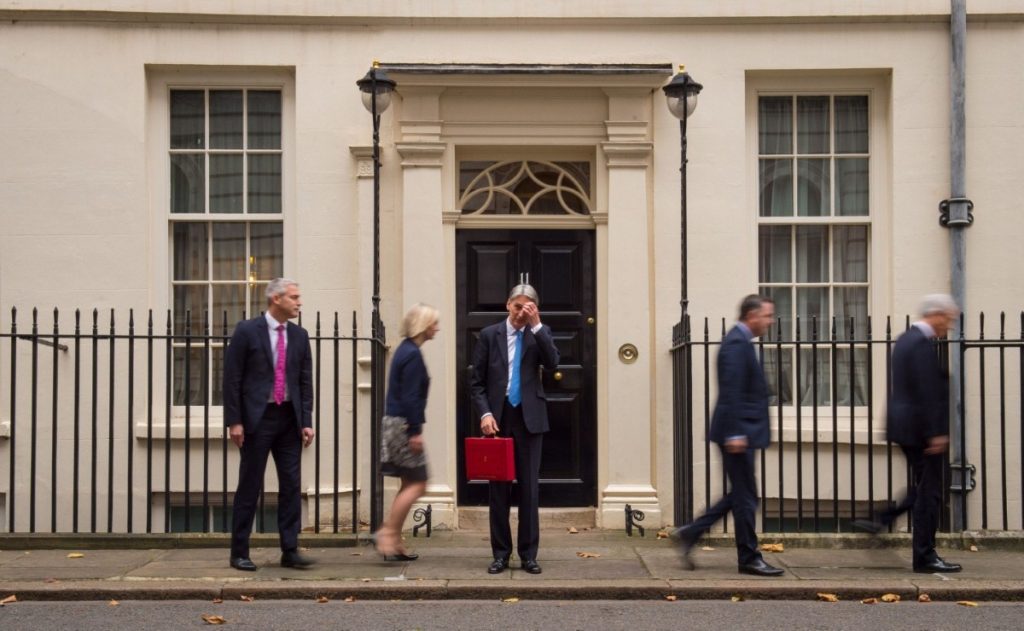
{"x":490,"y":459}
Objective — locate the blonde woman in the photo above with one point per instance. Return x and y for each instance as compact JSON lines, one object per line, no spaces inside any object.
{"x":402,"y":454}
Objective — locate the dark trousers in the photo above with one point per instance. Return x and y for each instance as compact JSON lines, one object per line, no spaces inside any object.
{"x":741,"y":500}
{"x":277,"y":433}
{"x":527,"y":456}
{"x":924,"y":497}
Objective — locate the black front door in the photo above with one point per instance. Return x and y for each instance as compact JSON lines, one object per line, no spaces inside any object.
{"x":560,"y":264}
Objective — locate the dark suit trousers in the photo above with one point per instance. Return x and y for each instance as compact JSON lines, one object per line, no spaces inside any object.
{"x":924,"y":498}
{"x":527,"y":456}
{"x":278,"y":434}
{"x":741,"y":500}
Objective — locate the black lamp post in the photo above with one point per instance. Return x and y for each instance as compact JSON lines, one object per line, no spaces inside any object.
{"x":681,"y":94}
{"x":376,"y":88}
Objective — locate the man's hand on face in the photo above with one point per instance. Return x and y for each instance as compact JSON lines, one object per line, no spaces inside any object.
{"x":532,"y":314}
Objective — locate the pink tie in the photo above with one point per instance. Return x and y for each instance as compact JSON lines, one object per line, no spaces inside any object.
{"x":279,"y":367}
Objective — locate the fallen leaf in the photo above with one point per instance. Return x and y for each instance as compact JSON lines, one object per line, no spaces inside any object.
{"x":737,"y":598}
{"x":322,"y":599}
{"x":828,"y":598}
{"x":350,"y":599}
{"x":890,"y":598}
{"x":75,"y":555}
{"x":366,"y":580}
{"x":967,"y":603}
{"x":588,"y":555}
{"x":10,"y":599}
{"x":974,"y":548}
{"x":356,"y":554}
{"x":773,"y":547}
{"x":708,"y":549}
{"x":671,"y":598}
{"x":51,"y":580}
{"x":512,"y":599}
{"x":247,"y":599}
{"x":218,"y":601}
{"x":211,"y":619}
{"x":924,"y":598}
{"x":662,"y":534}
{"x":869,"y":601}
{"x":572,"y":530}
{"x":113,"y":603}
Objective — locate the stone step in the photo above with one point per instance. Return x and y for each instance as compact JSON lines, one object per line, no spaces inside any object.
{"x":476,"y":518}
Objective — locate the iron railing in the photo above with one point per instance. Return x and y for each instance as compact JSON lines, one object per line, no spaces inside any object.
{"x":830,"y":463}
{"x":106,"y":427}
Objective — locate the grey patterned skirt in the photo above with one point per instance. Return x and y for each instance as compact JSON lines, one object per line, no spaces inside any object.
{"x":396,"y":459}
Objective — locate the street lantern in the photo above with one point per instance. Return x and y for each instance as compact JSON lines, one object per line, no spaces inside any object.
{"x":376,"y":89}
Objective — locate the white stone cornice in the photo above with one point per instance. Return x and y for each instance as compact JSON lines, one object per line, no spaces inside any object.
{"x":627,"y":154}
{"x":422,"y":154}
{"x":503,"y":222}
{"x":364,"y":160}
{"x":627,"y":131}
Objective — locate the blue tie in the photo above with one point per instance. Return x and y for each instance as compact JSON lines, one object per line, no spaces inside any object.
{"x":515,"y":397}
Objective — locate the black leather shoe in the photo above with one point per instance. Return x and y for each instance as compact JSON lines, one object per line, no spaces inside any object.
{"x":497,"y":566}
{"x":531,"y":567}
{"x":401,"y":556}
{"x":868,"y":526}
{"x":293,"y":559}
{"x":685,"y":543}
{"x":760,"y":568}
{"x":938,"y":565}
{"x":243,"y":563}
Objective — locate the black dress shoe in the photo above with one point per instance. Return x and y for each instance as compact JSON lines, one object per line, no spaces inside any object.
{"x":497,"y":566}
{"x":938,"y":565}
{"x":401,"y":556}
{"x":531,"y":567}
{"x":292,"y":558}
{"x":685,"y":543}
{"x":868,"y":526}
{"x":243,"y":563}
{"x":760,"y":568}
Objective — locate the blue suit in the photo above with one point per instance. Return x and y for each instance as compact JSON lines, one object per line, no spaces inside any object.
{"x":525,"y":424}
{"x":269,"y":428}
{"x":740,"y":412}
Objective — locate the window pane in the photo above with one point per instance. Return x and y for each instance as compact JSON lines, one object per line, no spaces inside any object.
{"x":851,"y":302}
{"x":226,"y":119}
{"x":852,"y":187}
{"x":265,"y":183}
{"x":264,"y":119}
{"x":815,"y":373}
{"x":228,"y":251}
{"x":812,"y":124}
{"x":187,"y":113}
{"x":190,"y":251}
{"x":228,"y":300}
{"x":812,"y":254}
{"x":778,"y":371}
{"x":257,"y":299}
{"x":850,"y":251}
{"x":852,"y":124}
{"x":775,"y":124}
{"x":783,"y":328}
{"x":776,"y":256}
{"x":189,"y":306}
{"x":812,"y":309}
{"x":188,"y":183}
{"x":225,"y":183}
{"x":190,"y":391}
{"x":266,"y":249}
{"x":813,"y":188}
{"x":776,"y":182}
{"x":852,"y":376}
{"x":217,"y":376}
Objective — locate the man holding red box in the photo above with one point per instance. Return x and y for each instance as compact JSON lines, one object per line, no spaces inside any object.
{"x":508,"y":395}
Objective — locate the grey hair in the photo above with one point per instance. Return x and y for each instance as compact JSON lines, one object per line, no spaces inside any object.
{"x":524,"y":290}
{"x":278,"y":286}
{"x":937,"y":303}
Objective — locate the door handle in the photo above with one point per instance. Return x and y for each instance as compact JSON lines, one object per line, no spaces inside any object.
{"x":591,"y":320}
{"x":558,"y":375}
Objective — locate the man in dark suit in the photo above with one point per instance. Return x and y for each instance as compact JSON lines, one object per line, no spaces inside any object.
{"x":268,"y":402}
{"x":918,"y":421}
{"x":739,"y":426}
{"x":509,"y":398}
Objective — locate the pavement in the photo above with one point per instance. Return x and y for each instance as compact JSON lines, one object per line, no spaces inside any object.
{"x":589,"y":565}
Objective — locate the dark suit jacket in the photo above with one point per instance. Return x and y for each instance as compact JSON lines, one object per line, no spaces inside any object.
{"x":919,"y":403}
{"x":249,"y":374}
{"x":489,"y":376}
{"x":742,"y":406}
{"x":408,"y":384}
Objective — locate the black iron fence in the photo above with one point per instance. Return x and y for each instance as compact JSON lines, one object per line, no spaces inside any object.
{"x":830,"y":462}
{"x":113,"y":424}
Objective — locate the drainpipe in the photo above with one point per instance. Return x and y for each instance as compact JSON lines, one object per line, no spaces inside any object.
{"x":957,"y":216}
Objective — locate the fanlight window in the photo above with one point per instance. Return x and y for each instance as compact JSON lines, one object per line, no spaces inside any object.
{"x":524,"y":187}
